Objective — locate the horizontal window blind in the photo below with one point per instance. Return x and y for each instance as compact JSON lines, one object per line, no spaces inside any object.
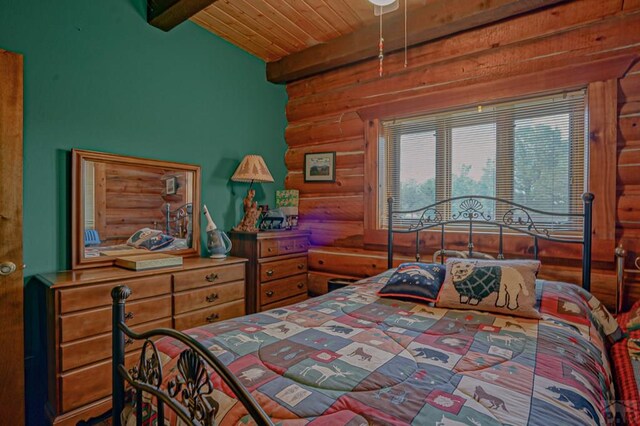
{"x":89,"y":195}
{"x":531,"y":152}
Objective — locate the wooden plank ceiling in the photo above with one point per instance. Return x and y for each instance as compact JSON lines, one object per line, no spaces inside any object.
{"x":300,"y":38}
{"x":273,"y":29}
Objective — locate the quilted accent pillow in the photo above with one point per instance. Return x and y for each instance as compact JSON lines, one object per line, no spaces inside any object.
{"x":500,"y":286}
{"x":416,"y":281}
{"x":142,"y":235}
{"x":158,"y":242}
{"x":150,"y":239}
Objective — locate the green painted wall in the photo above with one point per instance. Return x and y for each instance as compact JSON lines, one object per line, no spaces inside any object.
{"x":98,"y":77}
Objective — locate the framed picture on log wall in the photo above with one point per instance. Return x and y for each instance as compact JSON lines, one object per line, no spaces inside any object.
{"x":171,"y":185}
{"x":320,"y":167}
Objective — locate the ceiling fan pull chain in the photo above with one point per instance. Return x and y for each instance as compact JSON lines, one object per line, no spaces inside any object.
{"x":381,"y":49}
{"x":406,"y":60}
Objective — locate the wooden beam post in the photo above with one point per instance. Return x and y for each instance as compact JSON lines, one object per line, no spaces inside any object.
{"x":166,"y":14}
{"x":438,"y":19}
{"x":603,"y":158}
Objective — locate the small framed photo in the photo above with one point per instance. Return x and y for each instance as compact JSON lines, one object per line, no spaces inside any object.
{"x":171,"y":185}
{"x":320,"y":167}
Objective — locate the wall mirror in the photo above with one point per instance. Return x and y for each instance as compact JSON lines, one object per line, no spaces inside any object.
{"x":125,"y":206}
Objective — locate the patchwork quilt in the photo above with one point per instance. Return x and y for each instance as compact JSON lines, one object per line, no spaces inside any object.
{"x":352,"y":358}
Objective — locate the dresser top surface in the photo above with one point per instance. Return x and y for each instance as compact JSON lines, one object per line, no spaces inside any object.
{"x":111,"y":273}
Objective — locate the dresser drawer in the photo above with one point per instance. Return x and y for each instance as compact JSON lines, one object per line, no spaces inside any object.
{"x":293,"y":245}
{"x":270,"y":271}
{"x":276,"y":247}
{"x":285,"y":302}
{"x":87,"y":351}
{"x":208,"y":296}
{"x":206,"y":277}
{"x":268,"y":248}
{"x":89,"y":384}
{"x":208,"y":315}
{"x":97,"y":321}
{"x":92,"y":296}
{"x":274,"y":291}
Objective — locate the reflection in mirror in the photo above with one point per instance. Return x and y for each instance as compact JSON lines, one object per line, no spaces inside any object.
{"x":132,"y":209}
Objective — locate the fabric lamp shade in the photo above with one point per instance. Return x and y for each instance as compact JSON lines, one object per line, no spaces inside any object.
{"x":252,"y":169}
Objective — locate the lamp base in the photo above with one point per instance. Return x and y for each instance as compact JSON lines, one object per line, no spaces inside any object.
{"x":218,"y":256}
{"x":251,"y":214}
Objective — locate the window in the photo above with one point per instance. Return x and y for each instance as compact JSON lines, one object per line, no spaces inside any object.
{"x":89,"y":195}
{"x":531,"y":152}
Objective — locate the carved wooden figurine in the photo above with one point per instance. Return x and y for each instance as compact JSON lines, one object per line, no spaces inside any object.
{"x":251,"y":214}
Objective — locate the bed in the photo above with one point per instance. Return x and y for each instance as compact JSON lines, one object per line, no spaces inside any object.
{"x":353,"y":358}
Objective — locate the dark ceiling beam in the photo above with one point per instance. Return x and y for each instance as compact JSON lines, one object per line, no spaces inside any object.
{"x":166,"y":14}
{"x":438,"y":19}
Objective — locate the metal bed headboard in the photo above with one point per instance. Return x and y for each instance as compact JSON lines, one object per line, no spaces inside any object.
{"x":177,"y":221}
{"x":473,"y":211}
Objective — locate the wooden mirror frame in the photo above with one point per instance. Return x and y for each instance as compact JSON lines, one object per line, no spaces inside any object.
{"x":78,"y":261}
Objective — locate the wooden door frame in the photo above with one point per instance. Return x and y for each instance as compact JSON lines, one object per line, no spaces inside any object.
{"x":12,"y":391}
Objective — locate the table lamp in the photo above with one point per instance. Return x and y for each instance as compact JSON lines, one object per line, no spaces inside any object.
{"x":251,"y":169}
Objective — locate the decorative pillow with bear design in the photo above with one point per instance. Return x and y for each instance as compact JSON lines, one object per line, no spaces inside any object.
{"x":500,"y":286}
{"x":415,"y":281}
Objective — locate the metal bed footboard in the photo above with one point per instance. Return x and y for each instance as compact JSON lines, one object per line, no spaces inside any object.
{"x":195,"y":406}
{"x":473,"y":211}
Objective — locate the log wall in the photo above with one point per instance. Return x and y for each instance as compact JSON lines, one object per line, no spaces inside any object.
{"x":628,"y":167}
{"x":324,"y":115}
{"x":127,"y":198}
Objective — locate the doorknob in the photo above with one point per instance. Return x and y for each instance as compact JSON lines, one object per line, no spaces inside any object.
{"x":7,"y":268}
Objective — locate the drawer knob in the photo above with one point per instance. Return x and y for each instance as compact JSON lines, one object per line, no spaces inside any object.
{"x":270,"y":249}
{"x":300,"y":285}
{"x":269,"y":293}
{"x":128,"y":342}
{"x":270,"y":272}
{"x":128,"y":316}
{"x":287,"y":248}
{"x":300,"y":265}
{"x":213,"y":317}
{"x":212,"y":297}
{"x":211,"y":277}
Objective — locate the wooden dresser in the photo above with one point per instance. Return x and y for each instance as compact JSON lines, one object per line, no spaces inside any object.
{"x":78,"y":322}
{"x":277,"y":267}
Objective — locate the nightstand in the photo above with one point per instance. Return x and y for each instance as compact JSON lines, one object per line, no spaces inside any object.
{"x":277,"y":267}
{"x":338,"y":283}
